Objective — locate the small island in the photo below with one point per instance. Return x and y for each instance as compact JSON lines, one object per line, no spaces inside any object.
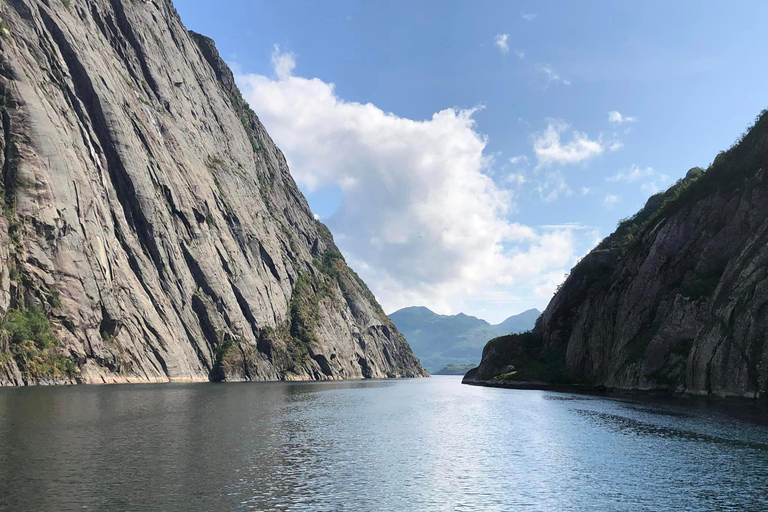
{"x":455,"y":369}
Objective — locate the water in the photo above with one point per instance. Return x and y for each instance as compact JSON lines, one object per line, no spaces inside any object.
{"x":410,"y":445}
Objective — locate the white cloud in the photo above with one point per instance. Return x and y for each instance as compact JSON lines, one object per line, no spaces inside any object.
{"x":632,"y":174}
{"x":549,"y":149}
{"x":553,"y":186}
{"x":518,"y":159}
{"x":615,"y":145}
{"x":501,"y":42}
{"x":551,"y":75}
{"x":528,"y":16}
{"x":283,"y":62}
{"x":520,"y":54}
{"x":516,"y":179}
{"x":610,"y":201}
{"x":585,"y":191}
{"x":616,"y":117}
{"x":420,"y":219}
{"x":567,"y":225}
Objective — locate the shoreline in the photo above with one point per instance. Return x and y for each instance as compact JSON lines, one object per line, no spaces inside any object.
{"x":618,"y":392}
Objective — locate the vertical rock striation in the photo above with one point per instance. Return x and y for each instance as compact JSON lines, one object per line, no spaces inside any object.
{"x":151,"y":228}
{"x":675,"y":300}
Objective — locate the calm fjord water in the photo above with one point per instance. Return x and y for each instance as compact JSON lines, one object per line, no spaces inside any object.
{"x":422,"y":445}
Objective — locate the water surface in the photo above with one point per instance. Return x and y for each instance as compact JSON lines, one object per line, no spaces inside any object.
{"x":422,"y":445}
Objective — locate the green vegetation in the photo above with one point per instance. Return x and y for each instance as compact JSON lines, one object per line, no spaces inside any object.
{"x":29,"y":325}
{"x":210,"y":221}
{"x":333,"y":265}
{"x":5,"y":33}
{"x":33,"y":345}
{"x":727,"y":172}
{"x":12,"y":168}
{"x":532,"y":361}
{"x":323,"y":231}
{"x":629,"y":230}
{"x":304,"y":310}
{"x":223,"y":363}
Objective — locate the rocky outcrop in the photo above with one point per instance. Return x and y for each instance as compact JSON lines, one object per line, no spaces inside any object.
{"x":675,"y":300}
{"x":151,"y":228}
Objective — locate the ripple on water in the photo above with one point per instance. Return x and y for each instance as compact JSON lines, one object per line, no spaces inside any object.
{"x":424,"y":444}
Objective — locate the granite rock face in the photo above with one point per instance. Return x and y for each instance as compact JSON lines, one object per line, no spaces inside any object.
{"x":151,"y":219}
{"x":675,"y":300}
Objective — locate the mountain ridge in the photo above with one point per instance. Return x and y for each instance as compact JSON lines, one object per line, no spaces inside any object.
{"x":440,"y":340}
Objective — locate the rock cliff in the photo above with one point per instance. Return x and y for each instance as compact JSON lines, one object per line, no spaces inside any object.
{"x":675,"y":300}
{"x":151,"y":230}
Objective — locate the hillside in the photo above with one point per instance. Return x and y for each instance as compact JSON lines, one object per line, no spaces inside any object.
{"x":676,"y":300}
{"x":440,"y":340}
{"x":152,"y":230}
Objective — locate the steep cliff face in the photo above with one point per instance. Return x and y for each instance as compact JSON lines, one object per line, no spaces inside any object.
{"x":676,"y":299}
{"x":151,"y":228}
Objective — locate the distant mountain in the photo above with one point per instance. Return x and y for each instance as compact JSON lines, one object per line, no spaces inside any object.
{"x":455,"y":369}
{"x":440,"y":340}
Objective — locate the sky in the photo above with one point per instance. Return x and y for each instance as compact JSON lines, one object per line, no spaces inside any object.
{"x":465,"y":155}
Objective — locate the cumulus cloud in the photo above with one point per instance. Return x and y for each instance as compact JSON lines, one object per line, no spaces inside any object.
{"x":550,"y":75}
{"x":501,"y":42}
{"x":616,"y":117}
{"x":283,"y":62}
{"x":551,"y":150}
{"x":528,"y":16}
{"x":631,"y":175}
{"x":610,"y":201}
{"x":420,"y":218}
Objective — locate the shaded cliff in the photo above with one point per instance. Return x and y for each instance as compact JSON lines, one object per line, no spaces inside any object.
{"x":151,"y":228}
{"x":675,"y":300}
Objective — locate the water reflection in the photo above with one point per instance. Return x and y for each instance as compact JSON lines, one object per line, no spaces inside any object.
{"x":429,"y":444}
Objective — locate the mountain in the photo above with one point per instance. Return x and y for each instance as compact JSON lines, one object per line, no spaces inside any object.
{"x":439,"y":340}
{"x":152,"y":231}
{"x":676,"y":300}
{"x":455,"y":369}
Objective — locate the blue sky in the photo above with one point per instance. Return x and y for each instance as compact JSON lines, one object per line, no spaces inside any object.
{"x":465,"y":155}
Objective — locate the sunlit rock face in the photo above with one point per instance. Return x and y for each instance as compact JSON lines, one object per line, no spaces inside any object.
{"x":150,"y":221}
{"x":675,"y":300}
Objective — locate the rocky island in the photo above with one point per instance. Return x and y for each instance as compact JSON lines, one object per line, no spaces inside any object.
{"x":675,"y":300}
{"x":151,"y":229}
